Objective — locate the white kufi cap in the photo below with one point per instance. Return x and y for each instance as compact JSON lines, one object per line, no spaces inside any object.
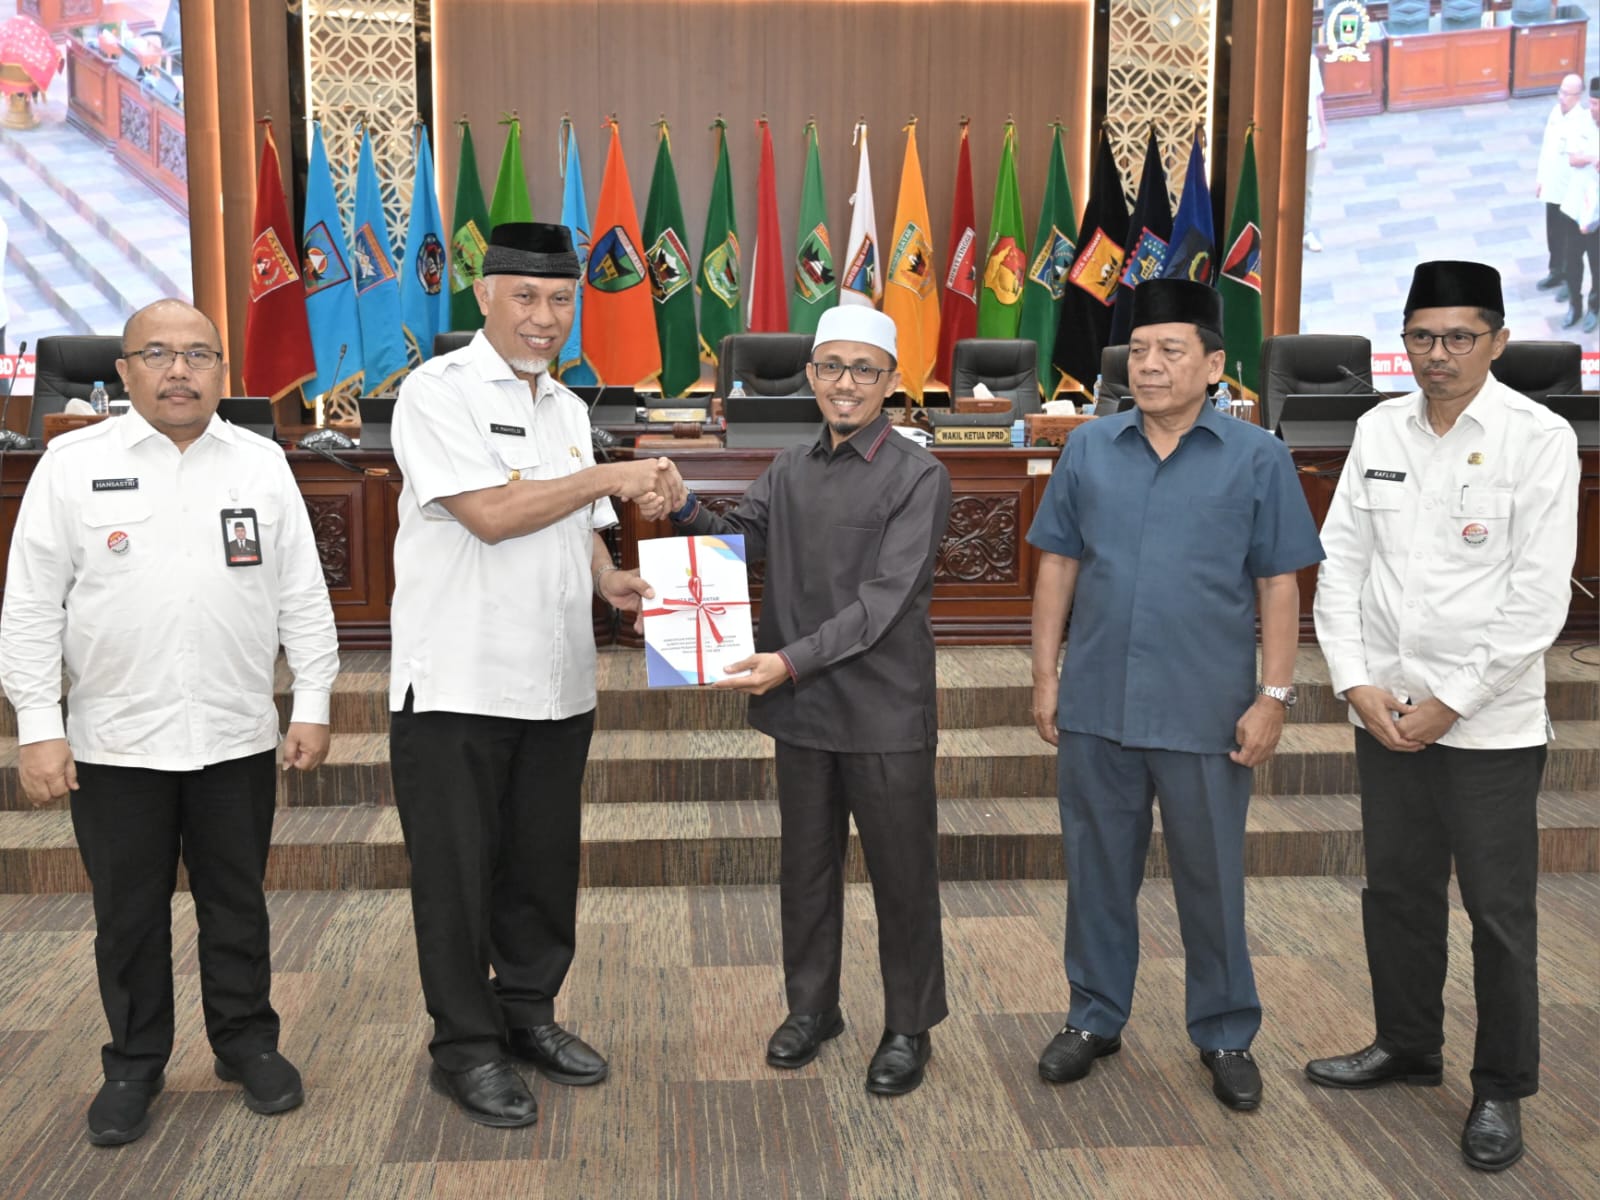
{"x":857,"y":323}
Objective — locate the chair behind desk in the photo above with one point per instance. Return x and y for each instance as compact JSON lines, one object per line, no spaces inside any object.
{"x":1540,"y":369}
{"x":66,"y":367}
{"x":1307,"y":364}
{"x":768,"y":364}
{"x":443,"y":343}
{"x":1008,"y":367}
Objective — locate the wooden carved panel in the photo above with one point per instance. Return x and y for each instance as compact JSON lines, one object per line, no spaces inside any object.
{"x":980,"y":544}
{"x":136,"y":125}
{"x":330,"y":526}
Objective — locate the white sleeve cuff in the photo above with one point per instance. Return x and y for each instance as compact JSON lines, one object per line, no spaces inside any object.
{"x":1344,"y":675}
{"x":310,"y":707}
{"x":40,"y":725}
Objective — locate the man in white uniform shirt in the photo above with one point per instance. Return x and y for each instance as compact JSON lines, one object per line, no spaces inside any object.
{"x":119,"y":571}
{"x":1550,"y":183}
{"x":492,"y":677}
{"x":1450,"y":543}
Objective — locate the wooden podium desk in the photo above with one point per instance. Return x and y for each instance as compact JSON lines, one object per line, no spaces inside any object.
{"x":983,"y":589}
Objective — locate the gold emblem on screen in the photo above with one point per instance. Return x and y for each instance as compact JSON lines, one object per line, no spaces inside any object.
{"x":1346,"y":29}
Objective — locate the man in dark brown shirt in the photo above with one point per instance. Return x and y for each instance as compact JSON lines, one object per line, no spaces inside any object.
{"x":843,"y":680}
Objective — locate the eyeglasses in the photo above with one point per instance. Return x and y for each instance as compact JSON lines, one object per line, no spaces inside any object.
{"x":866,"y":376}
{"x":1457,"y":341}
{"x":159,"y":358}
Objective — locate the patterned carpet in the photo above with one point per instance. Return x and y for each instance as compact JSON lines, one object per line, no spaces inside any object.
{"x":680,"y":987}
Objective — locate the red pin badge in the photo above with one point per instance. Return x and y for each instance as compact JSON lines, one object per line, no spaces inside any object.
{"x":1475,"y":534}
{"x":118,"y":542}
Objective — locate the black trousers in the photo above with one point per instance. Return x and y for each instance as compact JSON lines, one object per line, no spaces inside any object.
{"x":1555,"y":238}
{"x":490,"y":811}
{"x":1575,"y":247}
{"x":1418,"y":811}
{"x":132,"y":824}
{"x":896,"y":809}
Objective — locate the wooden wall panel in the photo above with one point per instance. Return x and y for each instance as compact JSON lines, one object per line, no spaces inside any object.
{"x":834,"y":59}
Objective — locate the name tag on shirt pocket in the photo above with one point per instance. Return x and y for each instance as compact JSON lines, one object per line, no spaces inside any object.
{"x":117,"y":533}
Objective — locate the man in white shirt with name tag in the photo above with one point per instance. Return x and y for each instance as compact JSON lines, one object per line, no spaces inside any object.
{"x":1450,"y":544}
{"x":492,"y":676}
{"x":120,"y":571}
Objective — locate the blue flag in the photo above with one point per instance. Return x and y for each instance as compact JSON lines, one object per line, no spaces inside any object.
{"x":572,"y":367}
{"x":1192,"y":252}
{"x":383,"y":339}
{"x":424,"y":301}
{"x":330,"y":289}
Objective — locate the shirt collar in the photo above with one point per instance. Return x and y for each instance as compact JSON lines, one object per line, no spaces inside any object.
{"x":134,"y":429}
{"x":1209,"y":419}
{"x":1486,"y":409}
{"x":491,"y":368}
{"x":866,"y":443}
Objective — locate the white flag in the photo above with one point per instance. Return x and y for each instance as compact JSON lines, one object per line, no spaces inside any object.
{"x":862,"y":282}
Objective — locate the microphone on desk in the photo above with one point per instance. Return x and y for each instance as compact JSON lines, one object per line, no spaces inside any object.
{"x":1356,"y":379}
{"x":10,"y":439}
{"x":322,"y":438}
{"x":602,"y":440}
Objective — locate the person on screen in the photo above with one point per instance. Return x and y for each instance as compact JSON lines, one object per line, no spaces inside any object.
{"x":1450,"y":541}
{"x":1316,"y":139}
{"x":1550,"y":184}
{"x":850,"y":527}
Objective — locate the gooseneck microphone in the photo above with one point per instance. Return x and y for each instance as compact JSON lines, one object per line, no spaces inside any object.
{"x":1358,"y":381}
{"x":321,"y":438}
{"x":10,"y":439}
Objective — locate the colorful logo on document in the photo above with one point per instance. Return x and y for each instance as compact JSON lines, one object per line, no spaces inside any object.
{"x":1475,"y":534}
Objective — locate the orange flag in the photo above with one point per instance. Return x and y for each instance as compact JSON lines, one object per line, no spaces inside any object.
{"x":909,"y":294}
{"x":619,"y":323}
{"x":277,"y":338}
{"x":769,"y":302}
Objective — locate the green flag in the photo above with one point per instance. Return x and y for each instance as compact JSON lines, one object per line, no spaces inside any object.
{"x":717,"y":280}
{"x":1053,"y":251}
{"x":667,"y":255}
{"x":816,"y":287}
{"x":469,"y":238}
{"x":511,"y":201}
{"x":1006,"y":264}
{"x":1240,"y":280}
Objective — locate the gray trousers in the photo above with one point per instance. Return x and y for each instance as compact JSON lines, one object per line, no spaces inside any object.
{"x":1106,"y":793}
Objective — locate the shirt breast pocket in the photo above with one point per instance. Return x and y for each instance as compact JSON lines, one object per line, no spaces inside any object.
{"x":518,"y":456}
{"x":1384,"y":508}
{"x":1481,"y":525}
{"x":117,"y":533}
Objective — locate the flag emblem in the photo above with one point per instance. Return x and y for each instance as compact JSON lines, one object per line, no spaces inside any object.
{"x":430,"y":264}
{"x":911,"y":264}
{"x":963,"y":277}
{"x":1146,"y":261}
{"x":614,"y":265}
{"x":1002,"y":274}
{"x":862,"y":275}
{"x":669,"y":267}
{"x":372,"y":260}
{"x":270,"y":265}
{"x":720,"y":270}
{"x":1192,"y":256}
{"x":322,"y":266}
{"x":813,"y":266}
{"x":1243,"y":264}
{"x":1051,"y":264}
{"x":1097,"y":267}
{"x":466,"y":257}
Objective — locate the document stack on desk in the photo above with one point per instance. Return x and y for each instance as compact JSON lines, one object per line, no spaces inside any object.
{"x":699,"y":621}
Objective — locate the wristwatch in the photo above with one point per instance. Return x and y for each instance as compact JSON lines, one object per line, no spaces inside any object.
{"x":1285,"y":696}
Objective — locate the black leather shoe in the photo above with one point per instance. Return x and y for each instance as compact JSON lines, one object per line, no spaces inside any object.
{"x":561,"y":1057}
{"x":1234,"y":1078}
{"x":1563,"y":294}
{"x":1071,"y":1054}
{"x":896,"y":1068}
{"x":1373,"y":1066}
{"x":1492,"y":1137}
{"x":1574,"y":315}
{"x":271,"y":1083}
{"x":796,"y":1042}
{"x":490,"y":1094}
{"x":120,"y":1113}
{"x":1549,"y":281}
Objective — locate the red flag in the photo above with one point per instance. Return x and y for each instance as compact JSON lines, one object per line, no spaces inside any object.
{"x":277,"y":338}
{"x":619,"y":320}
{"x":958,"y":318}
{"x":769,"y":301}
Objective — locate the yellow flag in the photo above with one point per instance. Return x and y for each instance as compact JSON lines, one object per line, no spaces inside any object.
{"x":909,"y":296}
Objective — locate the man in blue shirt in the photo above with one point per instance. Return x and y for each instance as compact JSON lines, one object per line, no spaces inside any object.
{"x":1165,"y":530}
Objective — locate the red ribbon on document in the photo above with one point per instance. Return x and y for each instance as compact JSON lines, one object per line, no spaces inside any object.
{"x":702,"y":611}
